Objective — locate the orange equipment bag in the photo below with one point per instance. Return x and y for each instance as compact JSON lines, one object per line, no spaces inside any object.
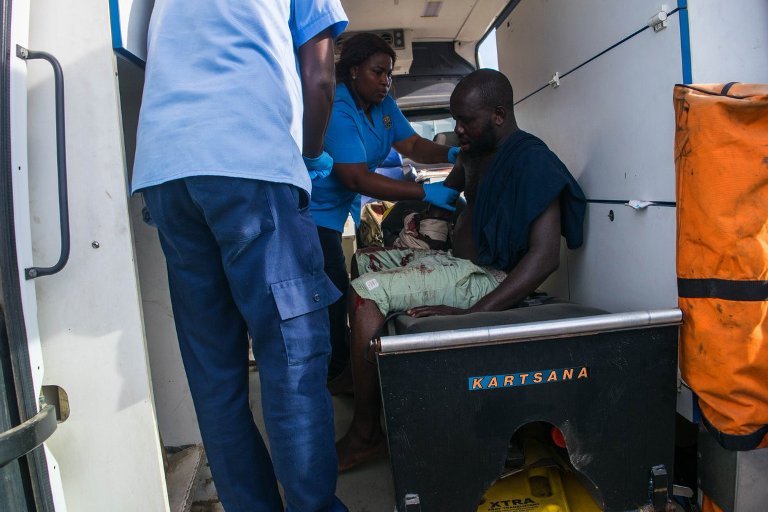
{"x":721,"y":162}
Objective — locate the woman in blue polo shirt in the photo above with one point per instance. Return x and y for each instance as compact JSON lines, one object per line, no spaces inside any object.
{"x":365,"y":124}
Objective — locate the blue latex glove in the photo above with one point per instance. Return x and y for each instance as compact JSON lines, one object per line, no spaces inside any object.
{"x":453,"y":154}
{"x":440,"y":195}
{"x":320,"y":166}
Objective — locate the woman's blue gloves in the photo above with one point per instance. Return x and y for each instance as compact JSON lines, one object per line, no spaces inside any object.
{"x":440,"y":195}
{"x":320,"y":166}
{"x":453,"y":154}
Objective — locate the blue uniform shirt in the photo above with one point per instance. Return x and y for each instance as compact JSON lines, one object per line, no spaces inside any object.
{"x":351,"y":138}
{"x":222,"y":93}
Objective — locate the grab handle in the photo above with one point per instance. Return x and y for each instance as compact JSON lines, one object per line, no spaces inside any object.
{"x":61,"y":162}
{"x":20,"y":440}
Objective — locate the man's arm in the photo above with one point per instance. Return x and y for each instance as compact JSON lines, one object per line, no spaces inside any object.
{"x":542,"y":258}
{"x":455,"y":178}
{"x":318,"y":85}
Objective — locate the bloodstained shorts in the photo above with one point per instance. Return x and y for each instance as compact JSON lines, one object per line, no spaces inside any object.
{"x":400,"y":279}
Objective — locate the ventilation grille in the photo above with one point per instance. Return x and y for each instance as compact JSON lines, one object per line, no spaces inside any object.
{"x":394,"y":37}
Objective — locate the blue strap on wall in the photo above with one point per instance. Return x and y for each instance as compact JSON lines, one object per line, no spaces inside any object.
{"x":685,"y":41}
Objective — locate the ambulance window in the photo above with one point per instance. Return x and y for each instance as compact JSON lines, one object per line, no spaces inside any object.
{"x":430,"y":127}
{"x":486,"y":52}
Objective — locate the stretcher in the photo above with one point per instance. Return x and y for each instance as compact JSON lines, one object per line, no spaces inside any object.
{"x":456,"y":389}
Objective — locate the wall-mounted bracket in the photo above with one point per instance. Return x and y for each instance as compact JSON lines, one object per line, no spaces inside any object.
{"x":555,"y":80}
{"x":660,"y":20}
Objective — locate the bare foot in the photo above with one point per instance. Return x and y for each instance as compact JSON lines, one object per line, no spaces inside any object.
{"x":352,"y":450}
{"x":342,"y":383}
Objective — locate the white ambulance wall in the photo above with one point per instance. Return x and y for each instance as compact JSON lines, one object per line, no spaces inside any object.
{"x":173,"y":401}
{"x":729,"y":41}
{"x":614,"y":271}
{"x":612,"y":123}
{"x":542,"y":37}
{"x":89,"y":314}
{"x":627,"y":263}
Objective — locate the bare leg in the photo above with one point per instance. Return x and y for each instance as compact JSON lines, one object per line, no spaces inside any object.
{"x":365,"y":439}
{"x":342,"y":383}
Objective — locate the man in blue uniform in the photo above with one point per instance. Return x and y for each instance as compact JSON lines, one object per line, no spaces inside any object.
{"x":236,"y":93}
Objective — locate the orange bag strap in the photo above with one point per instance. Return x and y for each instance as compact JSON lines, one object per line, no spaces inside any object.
{"x":723,"y":92}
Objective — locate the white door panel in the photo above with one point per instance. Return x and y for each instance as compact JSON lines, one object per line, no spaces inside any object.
{"x":22,"y":221}
{"x":89,"y":314}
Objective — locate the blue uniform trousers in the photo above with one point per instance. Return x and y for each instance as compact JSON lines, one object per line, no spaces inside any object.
{"x":243,"y":257}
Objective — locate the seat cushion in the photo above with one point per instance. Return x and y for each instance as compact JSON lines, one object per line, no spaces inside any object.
{"x":554,"y":309}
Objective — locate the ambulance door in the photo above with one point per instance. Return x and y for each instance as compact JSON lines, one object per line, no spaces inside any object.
{"x":76,"y":261}
{"x":29,"y":477}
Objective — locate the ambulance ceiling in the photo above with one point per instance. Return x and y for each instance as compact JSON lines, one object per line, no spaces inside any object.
{"x":465,"y":21}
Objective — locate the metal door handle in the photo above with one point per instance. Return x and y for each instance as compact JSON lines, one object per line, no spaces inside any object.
{"x":61,"y":161}
{"x":20,"y":440}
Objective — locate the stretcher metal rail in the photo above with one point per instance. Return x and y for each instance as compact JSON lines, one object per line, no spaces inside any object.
{"x":527,"y":331}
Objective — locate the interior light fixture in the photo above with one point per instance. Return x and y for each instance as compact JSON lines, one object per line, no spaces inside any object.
{"x":432,"y":9}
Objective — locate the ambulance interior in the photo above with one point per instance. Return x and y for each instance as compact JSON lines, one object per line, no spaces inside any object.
{"x":622,"y":436}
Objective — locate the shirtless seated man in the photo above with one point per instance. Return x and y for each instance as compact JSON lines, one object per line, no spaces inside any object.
{"x":520,"y":199}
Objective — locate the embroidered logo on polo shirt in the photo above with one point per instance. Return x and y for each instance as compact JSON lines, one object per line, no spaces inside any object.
{"x":387,"y":122}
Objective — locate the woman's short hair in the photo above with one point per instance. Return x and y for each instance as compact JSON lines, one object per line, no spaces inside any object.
{"x":357,"y":49}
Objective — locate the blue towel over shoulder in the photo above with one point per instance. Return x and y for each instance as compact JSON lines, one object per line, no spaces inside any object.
{"x":522,"y":180}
